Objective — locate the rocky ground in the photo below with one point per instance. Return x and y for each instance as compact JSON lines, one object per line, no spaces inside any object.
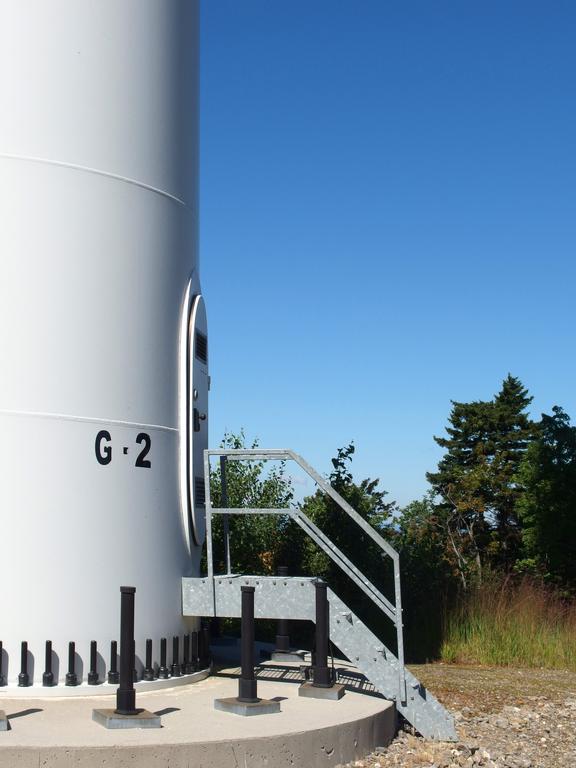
{"x":505,"y":718}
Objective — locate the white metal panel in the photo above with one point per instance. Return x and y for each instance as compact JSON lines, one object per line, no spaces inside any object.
{"x":98,"y":243}
{"x":104,"y":85}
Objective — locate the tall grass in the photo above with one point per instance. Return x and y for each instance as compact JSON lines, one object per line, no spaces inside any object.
{"x":506,"y":623}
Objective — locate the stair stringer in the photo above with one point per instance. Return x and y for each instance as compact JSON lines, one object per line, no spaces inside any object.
{"x":380,"y":666}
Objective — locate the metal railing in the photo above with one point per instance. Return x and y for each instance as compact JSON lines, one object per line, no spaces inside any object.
{"x":393,"y":612}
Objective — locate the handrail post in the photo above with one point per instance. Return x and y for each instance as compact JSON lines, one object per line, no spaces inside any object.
{"x":225,"y":521}
{"x":399,"y":630}
{"x":208,"y":505}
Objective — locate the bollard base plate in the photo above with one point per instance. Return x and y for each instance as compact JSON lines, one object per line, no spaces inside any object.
{"x":3,"y":721}
{"x":247,"y":708}
{"x":297,"y":656}
{"x":110,"y":719}
{"x":334,"y":693}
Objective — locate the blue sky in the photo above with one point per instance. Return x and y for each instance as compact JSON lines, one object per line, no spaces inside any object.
{"x":388,"y":219}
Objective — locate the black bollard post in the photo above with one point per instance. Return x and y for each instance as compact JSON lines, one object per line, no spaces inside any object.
{"x":204,"y":641}
{"x":282,"y":629}
{"x":186,"y":670}
{"x":148,"y":669}
{"x":201,"y":645}
{"x":163,"y":671}
{"x":93,"y":673}
{"x":247,"y":687}
{"x":134,"y":671}
{"x":113,"y":674}
{"x":3,"y":718}
{"x":322,"y":674}
{"x":71,"y":676}
{"x":323,"y":685}
{"x":126,"y":715}
{"x":194,"y":651}
{"x":48,"y":676}
{"x":247,"y":701}
{"x":23,"y":678}
{"x":176,"y":668}
{"x":126,"y":695}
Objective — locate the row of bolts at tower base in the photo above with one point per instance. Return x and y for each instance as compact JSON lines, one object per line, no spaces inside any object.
{"x":196,"y":656}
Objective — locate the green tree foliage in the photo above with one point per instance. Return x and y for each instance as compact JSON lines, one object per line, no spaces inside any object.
{"x":428,"y":583}
{"x":257,"y":541}
{"x":502,"y":501}
{"x":364,"y":497}
{"x":547,"y":506}
{"x":475,"y":479}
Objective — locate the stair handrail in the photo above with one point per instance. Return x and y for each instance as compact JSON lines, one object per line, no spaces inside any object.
{"x":393,"y":612}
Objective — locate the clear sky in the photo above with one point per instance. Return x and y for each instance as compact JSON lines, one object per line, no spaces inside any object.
{"x":388,"y":219}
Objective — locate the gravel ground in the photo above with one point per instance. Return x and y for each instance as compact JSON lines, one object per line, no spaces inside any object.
{"x":505,"y":718}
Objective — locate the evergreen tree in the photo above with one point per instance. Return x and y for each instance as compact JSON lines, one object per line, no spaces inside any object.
{"x":547,"y":507}
{"x":513,"y":431}
{"x":475,"y":478}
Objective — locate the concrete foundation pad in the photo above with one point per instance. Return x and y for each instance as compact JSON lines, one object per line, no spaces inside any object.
{"x":109,"y":718}
{"x":307,"y":733}
{"x":3,"y":721}
{"x":334,"y":693}
{"x":247,"y":708}
{"x":284,"y":656}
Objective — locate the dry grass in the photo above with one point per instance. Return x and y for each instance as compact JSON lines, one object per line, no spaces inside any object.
{"x":504,"y":623}
{"x":487,"y":689}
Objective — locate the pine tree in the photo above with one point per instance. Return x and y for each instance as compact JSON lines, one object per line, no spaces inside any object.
{"x":513,"y":431}
{"x":463,"y":484}
{"x":486,"y":442}
{"x":547,"y":506}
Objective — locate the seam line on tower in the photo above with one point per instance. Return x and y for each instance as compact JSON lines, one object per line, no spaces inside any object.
{"x":87,"y":169}
{"x":88,"y":419}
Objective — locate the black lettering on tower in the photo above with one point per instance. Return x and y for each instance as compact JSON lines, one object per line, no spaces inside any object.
{"x":103,"y":453}
{"x":142,"y":461}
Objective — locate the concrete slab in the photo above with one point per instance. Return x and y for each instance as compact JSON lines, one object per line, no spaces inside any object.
{"x":334,"y":693}
{"x":60,"y":732}
{"x":284,"y":656}
{"x":234,"y":706}
{"x":109,"y":718}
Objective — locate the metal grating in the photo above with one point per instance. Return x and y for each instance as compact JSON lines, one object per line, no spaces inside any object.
{"x":201,"y":347}
{"x":199,"y":492}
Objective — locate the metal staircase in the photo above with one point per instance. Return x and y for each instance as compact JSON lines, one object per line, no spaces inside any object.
{"x":294,"y":598}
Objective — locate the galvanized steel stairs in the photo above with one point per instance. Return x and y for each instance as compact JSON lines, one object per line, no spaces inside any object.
{"x":294,"y":597}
